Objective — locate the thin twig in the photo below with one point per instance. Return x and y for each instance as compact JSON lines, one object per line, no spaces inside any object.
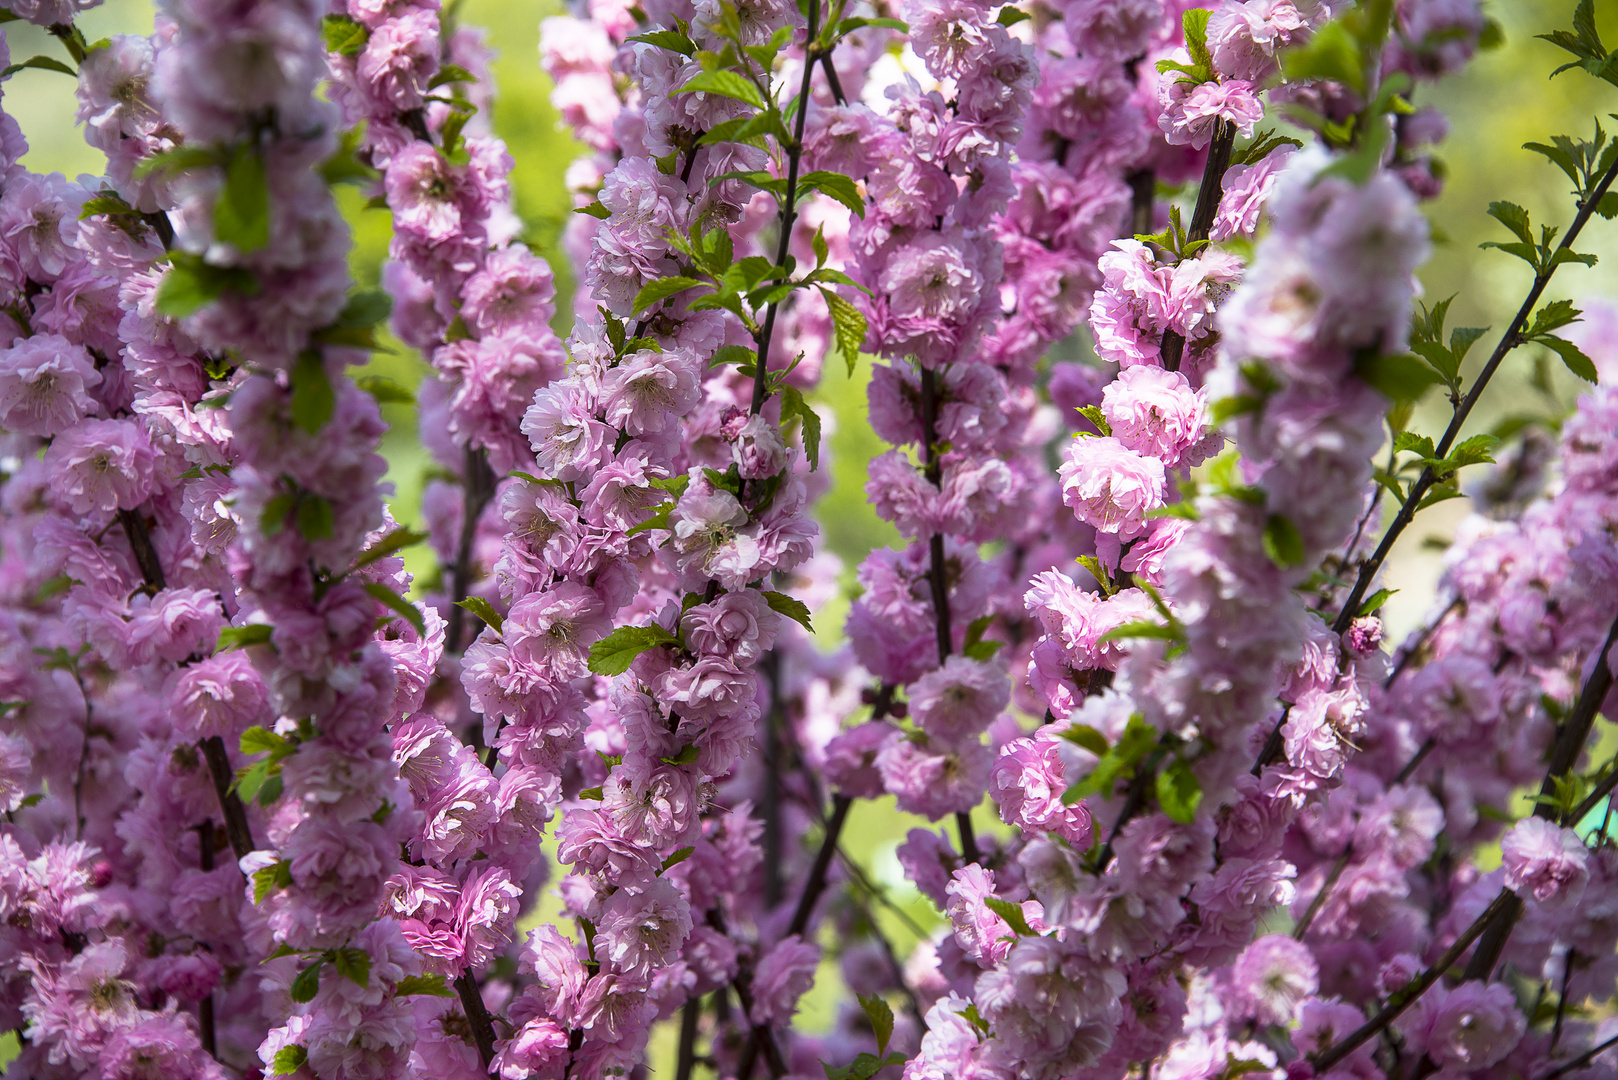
{"x":477,"y":1015}
{"x":477,"y":487}
{"x":1325,"y":890}
{"x":1209,"y":193}
{"x":1508,"y":341}
{"x":230,"y":805}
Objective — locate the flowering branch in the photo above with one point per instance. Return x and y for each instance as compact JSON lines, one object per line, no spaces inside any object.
{"x":1510,"y":340}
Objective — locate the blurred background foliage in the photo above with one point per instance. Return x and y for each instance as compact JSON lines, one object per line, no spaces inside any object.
{"x":1502,"y":100}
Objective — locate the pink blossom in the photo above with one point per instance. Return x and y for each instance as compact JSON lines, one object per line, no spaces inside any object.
{"x":1551,"y":863}
{"x":43,"y":384}
{"x":1111,"y":486}
{"x":781,"y":977}
{"x":101,"y":466}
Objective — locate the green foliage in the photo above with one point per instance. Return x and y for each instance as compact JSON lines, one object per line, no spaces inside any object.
{"x":191,"y":284}
{"x":1282,"y":541}
{"x":613,"y":654}
{"x":880,"y":1015}
{"x":1178,"y":792}
{"x":241,"y":212}
{"x":313,"y":399}
{"x":1585,"y":45}
{"x":483,"y":610}
{"x":1117,"y":763}
{"x":240,"y":637}
{"x":398,"y":604}
{"x":791,"y":607}
{"x":795,"y":409}
{"x":288,"y":1060}
{"x":425,"y":985}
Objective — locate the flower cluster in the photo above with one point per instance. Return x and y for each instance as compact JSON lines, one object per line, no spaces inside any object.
{"x":267,"y":815}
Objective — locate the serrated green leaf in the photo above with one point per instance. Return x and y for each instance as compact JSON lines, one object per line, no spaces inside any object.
{"x":835,"y":185}
{"x":672,"y":40}
{"x":1178,"y":792}
{"x":402,"y":607}
{"x":1010,"y":16}
{"x":241,"y":212}
{"x":261,"y":740}
{"x":1011,"y":913}
{"x":251,"y":780}
{"x":288,"y":1060}
{"x":42,"y":63}
{"x":1374,"y":602}
{"x":344,"y":35}
{"x":1140,"y":628}
{"x":1332,"y":53}
{"x":613,"y":654}
{"x":315,"y":518}
{"x":793,"y":406}
{"x":1420,"y":445}
{"x":595,"y":210}
{"x":1282,"y":541}
{"x":385,"y":390}
{"x":659,"y":520}
{"x":1514,"y":218}
{"x":1553,"y":316}
{"x":1578,"y":363}
{"x":791,"y":607}
{"x":353,"y":964}
{"x":878,"y":1012}
{"x":484,"y":610}
{"x":422,"y":985}
{"x":450,"y":73}
{"x":191,"y":284}
{"x":1401,"y":378}
{"x":1086,"y":736}
{"x":849,"y":324}
{"x":1096,"y":417}
{"x":391,"y":543}
{"x":267,"y":879}
{"x":677,"y":857}
{"x":240,"y":637}
{"x":726,"y":84}
{"x":307,"y":983}
{"x":313,"y":399}
{"x":655,"y":291}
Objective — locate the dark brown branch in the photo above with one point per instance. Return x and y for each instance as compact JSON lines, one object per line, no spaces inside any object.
{"x":477,"y":1015}
{"x":1325,"y":890}
{"x":140,"y":542}
{"x":1508,"y":341}
{"x":477,"y":486}
{"x":686,"y":1058}
{"x":1209,"y":193}
{"x":1582,"y":1060}
{"x":789,"y":208}
{"x":235,"y":814}
{"x":815,"y":883}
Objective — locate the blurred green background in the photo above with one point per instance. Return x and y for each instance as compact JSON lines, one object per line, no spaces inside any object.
{"x":1501,"y":101}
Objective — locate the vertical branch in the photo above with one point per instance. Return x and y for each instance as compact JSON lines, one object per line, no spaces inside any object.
{"x":477,"y":484}
{"x":205,"y":1016}
{"x":789,"y":206}
{"x":1202,"y":218}
{"x":686,"y":1058}
{"x":241,"y":837}
{"x":477,"y":1015}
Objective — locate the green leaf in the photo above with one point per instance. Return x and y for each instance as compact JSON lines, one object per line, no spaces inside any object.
{"x":267,"y":879}
{"x":1553,"y":316}
{"x":288,"y":1060}
{"x":307,"y":983}
{"x":192,"y":284}
{"x":1332,"y":53}
{"x":250,"y":781}
{"x":835,"y":185}
{"x":677,"y":857}
{"x":1420,"y":445}
{"x":595,"y":210}
{"x":613,"y":654}
{"x":661,"y":289}
{"x":451,"y":73}
{"x":1178,"y":793}
{"x":793,"y":406}
{"x":1010,"y":16}
{"x":240,"y":637}
{"x":974,"y":645}
{"x":1514,"y":218}
{"x":404,"y":608}
{"x":725,"y":84}
{"x":850,"y":327}
{"x":1401,"y":378}
{"x":675,"y":485}
{"x":315,"y":517}
{"x":1374,"y":602}
{"x":1087,"y":737}
{"x":880,"y":1015}
{"x":43,"y":63}
{"x":1097,"y":419}
{"x":1009,"y":912}
{"x":1117,"y":763}
{"x":1282,"y":541}
{"x":1608,"y":206}
{"x":1140,"y":628}
{"x":343,"y":35}
{"x":672,"y":40}
{"x":426,"y":985}
{"x":659,"y":520}
{"x":353,"y":964}
{"x":483,"y":610}
{"x":261,"y":740}
{"x":393,"y":542}
{"x":1578,"y":363}
{"x":1477,"y":450}
{"x":385,"y":390}
{"x":791,"y":607}
{"x":313,"y":399}
{"x":241,"y":214}
{"x":864,"y":1067}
